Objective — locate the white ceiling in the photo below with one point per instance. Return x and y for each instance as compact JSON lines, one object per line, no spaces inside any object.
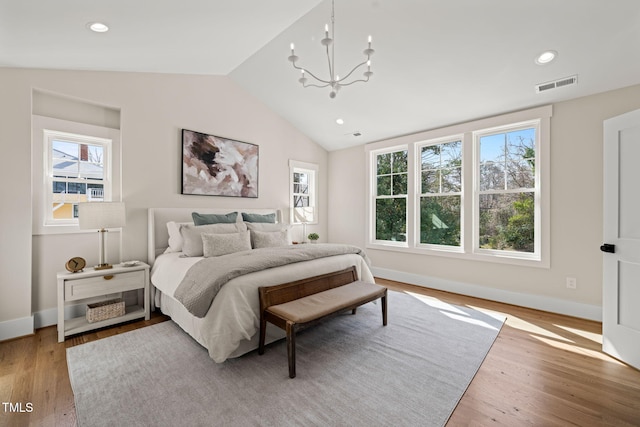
{"x":437,"y":62}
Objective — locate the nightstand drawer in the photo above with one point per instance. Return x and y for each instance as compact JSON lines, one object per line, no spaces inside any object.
{"x":102,"y":285}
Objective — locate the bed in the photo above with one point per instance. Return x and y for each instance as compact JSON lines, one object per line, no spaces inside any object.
{"x":230,"y":326}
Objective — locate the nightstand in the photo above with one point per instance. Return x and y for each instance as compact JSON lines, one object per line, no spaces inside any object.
{"x":92,"y":283}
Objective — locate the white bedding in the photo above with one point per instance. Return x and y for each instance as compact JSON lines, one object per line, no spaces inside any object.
{"x":231,"y":325}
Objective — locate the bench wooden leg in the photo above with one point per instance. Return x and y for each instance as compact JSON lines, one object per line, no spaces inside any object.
{"x":263,"y":331}
{"x":291,"y":348}
{"x":384,"y":309}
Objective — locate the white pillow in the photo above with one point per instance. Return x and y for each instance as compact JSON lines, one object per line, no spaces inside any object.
{"x":223,"y":244}
{"x":270,"y":239}
{"x":175,"y":238}
{"x":192,"y":235}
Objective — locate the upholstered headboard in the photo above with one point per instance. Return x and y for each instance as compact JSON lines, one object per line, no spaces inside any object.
{"x":158,"y":236}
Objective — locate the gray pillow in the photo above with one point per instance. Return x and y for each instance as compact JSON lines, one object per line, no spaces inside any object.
{"x":223,"y":244}
{"x":251,"y":217}
{"x":192,"y":235}
{"x":270,"y":239}
{"x":202,"y":219}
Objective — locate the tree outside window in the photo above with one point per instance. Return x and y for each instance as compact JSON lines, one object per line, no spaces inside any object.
{"x":440,"y":193}
{"x":506,"y":197}
{"x":391,"y":196}
{"x":477,"y":190}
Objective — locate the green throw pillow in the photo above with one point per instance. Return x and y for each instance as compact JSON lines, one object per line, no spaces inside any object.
{"x":203,"y":219}
{"x":250,"y":217}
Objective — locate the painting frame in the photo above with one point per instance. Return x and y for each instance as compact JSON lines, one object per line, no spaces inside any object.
{"x":217,"y":166}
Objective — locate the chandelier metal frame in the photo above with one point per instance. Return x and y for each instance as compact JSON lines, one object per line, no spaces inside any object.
{"x":334,"y":81}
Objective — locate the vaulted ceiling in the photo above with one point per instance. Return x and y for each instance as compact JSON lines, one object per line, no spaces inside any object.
{"x":437,"y":62}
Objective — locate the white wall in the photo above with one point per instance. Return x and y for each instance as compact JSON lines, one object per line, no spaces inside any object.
{"x":576,"y":220}
{"x":153,"y":110}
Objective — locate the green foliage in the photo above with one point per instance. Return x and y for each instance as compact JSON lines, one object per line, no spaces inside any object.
{"x":391,"y":219}
{"x":440,"y":220}
{"x":508,"y":224}
{"x":519,"y":232}
{"x":313,"y":236}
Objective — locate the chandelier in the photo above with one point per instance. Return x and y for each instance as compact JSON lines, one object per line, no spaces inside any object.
{"x":334,"y":81}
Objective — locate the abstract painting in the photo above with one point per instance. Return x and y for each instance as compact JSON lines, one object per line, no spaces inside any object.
{"x":216,"y":166}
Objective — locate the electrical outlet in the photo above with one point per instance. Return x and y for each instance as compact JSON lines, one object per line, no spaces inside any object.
{"x":572,"y":283}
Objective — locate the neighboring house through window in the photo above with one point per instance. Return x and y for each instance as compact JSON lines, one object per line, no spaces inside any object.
{"x":72,"y":163}
{"x":77,"y":167}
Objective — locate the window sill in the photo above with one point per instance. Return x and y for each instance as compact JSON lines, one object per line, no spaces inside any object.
{"x":460,"y":254}
{"x":46,"y":230}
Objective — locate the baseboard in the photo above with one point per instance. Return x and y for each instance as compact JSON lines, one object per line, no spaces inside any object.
{"x":15,"y":328}
{"x":25,"y":326}
{"x":49,"y":316}
{"x":538,"y":302}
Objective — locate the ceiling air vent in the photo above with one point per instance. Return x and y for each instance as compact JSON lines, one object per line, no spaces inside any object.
{"x":566,"y":81}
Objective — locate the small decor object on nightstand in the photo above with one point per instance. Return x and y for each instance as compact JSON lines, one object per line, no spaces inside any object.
{"x":75,"y":264}
{"x":313,"y":237}
{"x":130,"y":263}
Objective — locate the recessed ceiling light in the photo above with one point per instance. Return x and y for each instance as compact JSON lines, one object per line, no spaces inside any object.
{"x":546,"y":57}
{"x":340,"y":121}
{"x":98,"y":27}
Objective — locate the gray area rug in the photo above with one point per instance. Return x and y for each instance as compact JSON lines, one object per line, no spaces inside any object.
{"x":350,"y":371}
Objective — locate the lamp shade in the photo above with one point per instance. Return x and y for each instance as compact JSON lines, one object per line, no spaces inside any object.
{"x":304,"y":214}
{"x":99,"y":215}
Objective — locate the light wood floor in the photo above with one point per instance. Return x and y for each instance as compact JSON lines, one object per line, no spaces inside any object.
{"x":543,"y":370}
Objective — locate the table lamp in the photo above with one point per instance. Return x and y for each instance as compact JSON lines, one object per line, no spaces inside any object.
{"x":304,"y":215}
{"x":101,"y":215}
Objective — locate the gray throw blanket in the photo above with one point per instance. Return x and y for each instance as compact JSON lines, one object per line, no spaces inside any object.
{"x":204,"y":279}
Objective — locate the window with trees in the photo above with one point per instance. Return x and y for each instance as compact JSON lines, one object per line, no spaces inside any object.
{"x":391,"y":196}
{"x":479,"y":193}
{"x":507,"y":189}
{"x":440,"y":193}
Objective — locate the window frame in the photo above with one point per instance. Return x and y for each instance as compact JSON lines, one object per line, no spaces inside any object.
{"x":418,"y":196}
{"x":41,"y":163}
{"x":296,"y":166}
{"x":470,"y":177}
{"x":372,"y":174}
{"x":477,"y":192}
{"x":53,"y":135}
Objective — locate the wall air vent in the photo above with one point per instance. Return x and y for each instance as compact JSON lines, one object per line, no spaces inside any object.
{"x":566,"y":81}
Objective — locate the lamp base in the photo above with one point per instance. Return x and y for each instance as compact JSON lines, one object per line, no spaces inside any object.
{"x":103,"y":267}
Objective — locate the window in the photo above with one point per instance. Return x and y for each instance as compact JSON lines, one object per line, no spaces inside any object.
{"x":507,"y":189}
{"x":75,"y":173}
{"x":440,"y":193}
{"x":72,"y":163}
{"x":391,"y":196}
{"x":303,"y":200}
{"x":480,"y":193}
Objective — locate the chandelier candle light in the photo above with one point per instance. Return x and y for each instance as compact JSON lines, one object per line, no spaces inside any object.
{"x":334,"y":81}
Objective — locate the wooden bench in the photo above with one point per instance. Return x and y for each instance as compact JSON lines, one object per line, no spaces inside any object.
{"x":297,"y":305}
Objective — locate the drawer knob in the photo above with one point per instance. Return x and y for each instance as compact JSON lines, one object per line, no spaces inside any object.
{"x":109,"y":277}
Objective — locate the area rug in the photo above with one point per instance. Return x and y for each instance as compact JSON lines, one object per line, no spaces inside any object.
{"x":350,"y":371}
